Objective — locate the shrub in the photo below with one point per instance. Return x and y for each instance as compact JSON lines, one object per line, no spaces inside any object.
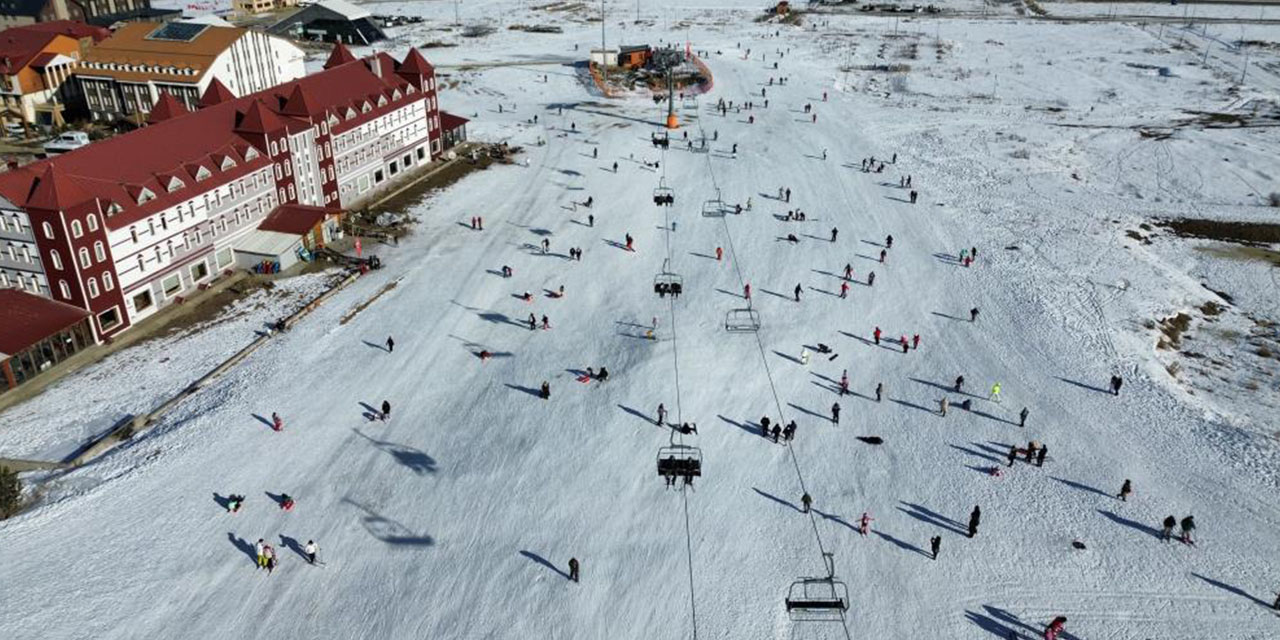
{"x":10,"y":493}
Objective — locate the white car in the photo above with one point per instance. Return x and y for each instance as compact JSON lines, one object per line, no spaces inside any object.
{"x":67,"y":141}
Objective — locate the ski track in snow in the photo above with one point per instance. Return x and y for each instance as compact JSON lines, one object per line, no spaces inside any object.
{"x":456,"y":518}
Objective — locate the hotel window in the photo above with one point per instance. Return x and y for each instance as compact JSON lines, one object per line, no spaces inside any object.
{"x":142,"y":263}
{"x":76,"y":231}
{"x":93,"y":287}
{"x":84,"y":258}
{"x":133,"y":233}
{"x":56,"y":259}
{"x":92,"y":220}
{"x":99,"y":252}
{"x":164,"y":224}
{"x":66,"y":291}
{"x":108,"y":283}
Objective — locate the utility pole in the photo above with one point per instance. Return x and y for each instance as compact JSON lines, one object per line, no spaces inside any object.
{"x":456,"y":15}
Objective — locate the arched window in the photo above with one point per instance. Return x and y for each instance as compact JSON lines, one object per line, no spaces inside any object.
{"x":108,"y":283}
{"x":92,"y":221}
{"x":93,"y":287}
{"x":99,"y":252}
{"x":56,"y":259}
{"x":66,"y":291}
{"x":274,"y":149}
{"x":48,"y":230}
{"x":76,"y":231}
{"x":84,"y":258}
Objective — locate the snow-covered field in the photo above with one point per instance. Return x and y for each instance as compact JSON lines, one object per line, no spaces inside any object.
{"x":456,"y":518}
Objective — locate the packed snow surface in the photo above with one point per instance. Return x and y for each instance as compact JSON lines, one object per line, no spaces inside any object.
{"x":456,"y":517}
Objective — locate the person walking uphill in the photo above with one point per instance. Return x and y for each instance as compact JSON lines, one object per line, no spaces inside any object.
{"x":835,"y":413}
{"x":1188,"y":525}
{"x":1116,"y":382}
{"x":391,"y":344}
{"x":311,"y":549}
{"x":935,"y":543}
{"x":386,"y":410}
{"x":807,"y":501}
{"x":1125,"y":490}
{"x":573,"y":569}
{"x":975,"y":518}
{"x":1022,"y":417}
{"x":1167,"y":531}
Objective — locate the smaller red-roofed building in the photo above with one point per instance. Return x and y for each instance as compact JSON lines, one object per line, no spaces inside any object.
{"x":33,"y":65}
{"x":37,"y":333}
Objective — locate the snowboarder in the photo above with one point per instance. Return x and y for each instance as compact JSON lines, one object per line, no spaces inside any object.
{"x":942,"y":406}
{"x":1022,"y":417}
{"x":1125,"y":490}
{"x":806,"y":500}
{"x":876,"y":333}
{"x":1116,"y":382}
{"x":879,"y":390}
{"x":1167,"y":531}
{"x":603,"y":375}
{"x":975,"y":517}
{"x":935,"y":543}
{"x":276,"y":423}
{"x":973,"y":314}
{"x":797,"y":290}
{"x":1040,"y":455}
{"x":1013,"y":454}
{"x":871,"y":279}
{"x":1051,"y":632}
{"x":844,"y":382}
{"x":234,"y":502}
{"x":573,"y":569}
{"x":959,"y":383}
{"x":310,"y":550}
{"x":386,"y":410}
{"x":1188,"y":525}
{"x":545,"y":390}
{"x":391,"y":344}
{"x":995,"y":393}
{"x":835,"y":413}
{"x":864,"y":525}
{"x":662,"y":415}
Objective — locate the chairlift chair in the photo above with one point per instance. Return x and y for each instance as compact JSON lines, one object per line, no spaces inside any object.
{"x":664,"y":195}
{"x":742,"y":320}
{"x":690,"y":104}
{"x":680,"y":461}
{"x":660,"y":139}
{"x":667,"y":282}
{"x":714,"y":208}
{"x":817,"y":599}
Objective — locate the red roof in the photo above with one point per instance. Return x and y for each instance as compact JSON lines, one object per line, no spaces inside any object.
{"x":339,"y":56}
{"x":449,"y":122}
{"x":415,"y":63}
{"x":217,"y":93}
{"x":295,"y":219}
{"x":19,"y":46}
{"x":28,"y":319}
{"x":70,"y":28}
{"x":166,"y":107}
{"x":117,"y":169}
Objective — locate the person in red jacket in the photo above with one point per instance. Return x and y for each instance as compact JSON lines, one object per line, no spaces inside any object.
{"x":276,"y":422}
{"x":1051,"y":632}
{"x":876,"y":333}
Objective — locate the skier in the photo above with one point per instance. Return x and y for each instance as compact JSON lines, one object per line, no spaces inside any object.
{"x":234,"y":502}
{"x":1044,"y":451}
{"x":546,"y":245}
{"x":310,"y":550}
{"x":276,"y":422}
{"x":1116,"y":381}
{"x":595,"y":152}
{"x":1013,"y":454}
{"x":834,"y":233}
{"x":1031,"y":450}
{"x":864,"y":525}
{"x":806,"y":500}
{"x":1125,"y":490}
{"x":603,"y":375}
{"x":719,"y":254}
{"x":903,"y":342}
{"x":844,"y":382}
{"x":871,"y":279}
{"x":533,"y":322}
{"x":915,"y":341}
{"x":788,"y":192}
{"x":879,"y":390}
{"x":824,"y":153}
{"x":844,"y":289}
{"x":1051,"y":632}
{"x":876,"y":333}
{"x":270,"y":555}
{"x":848,"y":271}
{"x":662,"y":415}
{"x":959,"y":383}
{"x":797,"y":293}
{"x":260,"y":545}
{"x":995,"y":393}
{"x":974,"y":518}
{"x":630,"y":240}
{"x":615,"y":167}
{"x":1167,"y":531}
{"x":888,"y":241}
{"x":935,"y":543}
{"x":789,"y":432}
{"x":973,"y":314}
{"x":386,"y":410}
{"x":835,"y":413}
{"x":1188,"y":525}
{"x":573,"y":569}
{"x":546,"y":324}
{"x":914,"y":195}
{"x":942,"y":406}
{"x":506,"y":271}
{"x":545,"y":390}
{"x":391,"y":344}
{"x":1022,"y":417}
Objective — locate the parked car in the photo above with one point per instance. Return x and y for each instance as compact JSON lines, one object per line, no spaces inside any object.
{"x":66,"y":141}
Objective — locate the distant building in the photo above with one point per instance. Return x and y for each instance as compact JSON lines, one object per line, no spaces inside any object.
{"x":454,"y":129}
{"x":131,"y":224}
{"x":125,"y":74}
{"x":254,"y":7}
{"x":33,"y":65}
{"x":331,"y":21}
{"x":88,"y":35}
{"x":20,"y":262}
{"x":634,"y":57}
{"x":97,"y":12}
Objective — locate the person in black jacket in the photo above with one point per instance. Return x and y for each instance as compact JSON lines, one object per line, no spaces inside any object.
{"x":1167,"y":531}
{"x":934,"y":544}
{"x":974,"y":519}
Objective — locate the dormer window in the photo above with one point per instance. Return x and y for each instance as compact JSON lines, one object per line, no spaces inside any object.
{"x":351,"y":113}
{"x":250,"y":154}
{"x":365,"y":108}
{"x":396,"y":95}
{"x":382,"y":101}
{"x":227,"y":163}
{"x":202,"y":173}
{"x":145,"y":195}
{"x":174,"y":184}
{"x":113,"y":209}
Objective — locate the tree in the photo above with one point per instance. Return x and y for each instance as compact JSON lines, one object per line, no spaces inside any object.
{"x":10,"y":493}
